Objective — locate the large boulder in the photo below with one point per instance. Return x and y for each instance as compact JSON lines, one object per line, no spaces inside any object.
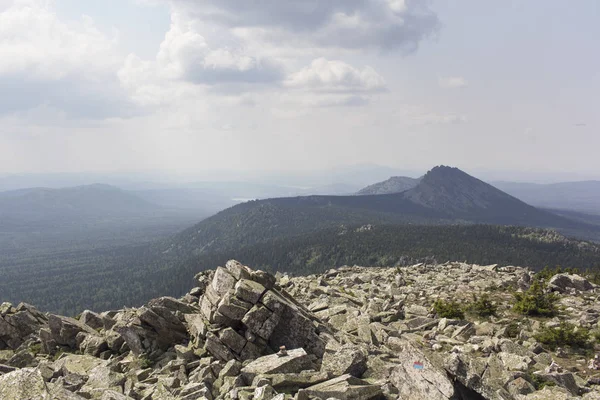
{"x":564,"y":282}
{"x":346,"y":387}
{"x":417,"y":378}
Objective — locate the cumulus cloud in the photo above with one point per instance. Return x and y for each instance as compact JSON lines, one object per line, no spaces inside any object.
{"x":185,"y":54}
{"x":46,"y":62}
{"x":384,"y":24}
{"x":452,"y":82}
{"x":336,"y":76}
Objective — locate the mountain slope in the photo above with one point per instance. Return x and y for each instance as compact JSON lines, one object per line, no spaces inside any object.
{"x":395,"y":184}
{"x":461,"y":196}
{"x":444,"y":196}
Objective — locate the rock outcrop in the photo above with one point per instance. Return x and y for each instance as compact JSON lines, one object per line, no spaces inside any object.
{"x":351,"y":333}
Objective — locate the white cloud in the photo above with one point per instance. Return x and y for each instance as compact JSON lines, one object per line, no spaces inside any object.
{"x":452,"y":82}
{"x":186,"y":55}
{"x":336,"y":76}
{"x":353,"y":24}
{"x":46,"y":62}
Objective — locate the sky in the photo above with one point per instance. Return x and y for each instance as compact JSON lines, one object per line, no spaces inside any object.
{"x":299,"y":85}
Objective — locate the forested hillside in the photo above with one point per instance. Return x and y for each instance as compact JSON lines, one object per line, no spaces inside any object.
{"x":128,"y":276}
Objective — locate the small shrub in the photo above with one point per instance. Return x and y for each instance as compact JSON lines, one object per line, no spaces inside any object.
{"x":564,"y":335}
{"x":512,"y":329}
{"x":145,"y":362}
{"x":35,"y":348}
{"x":483,"y":306}
{"x":536,"y":302}
{"x":448,"y":309}
{"x":596,"y":336}
{"x":539,"y":382}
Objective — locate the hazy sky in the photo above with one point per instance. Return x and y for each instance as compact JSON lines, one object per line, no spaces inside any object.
{"x":191,"y":85}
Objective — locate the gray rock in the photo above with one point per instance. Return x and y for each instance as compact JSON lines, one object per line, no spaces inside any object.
{"x":92,"y":319}
{"x":249,"y":291}
{"x":64,"y":330}
{"x":295,"y":361}
{"x":417,"y":378}
{"x":347,"y":359}
{"x":563,"y":282}
{"x":345,"y":387}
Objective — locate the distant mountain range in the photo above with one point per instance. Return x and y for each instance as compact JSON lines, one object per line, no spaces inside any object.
{"x":89,"y":200}
{"x":581,"y":196}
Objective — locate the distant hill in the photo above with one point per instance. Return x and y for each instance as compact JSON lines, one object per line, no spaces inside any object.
{"x":80,"y":201}
{"x":396,"y":184}
{"x":581,"y":196}
{"x":443,"y":196}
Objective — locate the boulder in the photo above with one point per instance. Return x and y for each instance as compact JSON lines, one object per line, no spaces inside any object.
{"x":295,"y":361}
{"x":345,"y":387}
{"x":564,"y":282}
{"x":64,"y":330}
{"x":417,"y":378}
{"x":347,"y":359}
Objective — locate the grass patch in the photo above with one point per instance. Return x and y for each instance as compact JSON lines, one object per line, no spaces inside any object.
{"x":448,"y":309}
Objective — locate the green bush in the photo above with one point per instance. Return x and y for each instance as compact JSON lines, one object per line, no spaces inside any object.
{"x":448,"y":309}
{"x":564,"y":335}
{"x":512,"y":329}
{"x":483,"y":306}
{"x":145,"y":362}
{"x":536,"y":302}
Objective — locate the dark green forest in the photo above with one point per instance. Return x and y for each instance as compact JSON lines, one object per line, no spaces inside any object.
{"x":68,"y":282}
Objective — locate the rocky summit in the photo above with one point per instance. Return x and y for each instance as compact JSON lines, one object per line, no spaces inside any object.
{"x":436,"y":332}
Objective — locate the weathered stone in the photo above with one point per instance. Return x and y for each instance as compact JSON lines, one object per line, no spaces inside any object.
{"x":92,"y":319}
{"x":237,"y":270}
{"x":215,"y":347}
{"x":232,"y":307}
{"x":23,"y":384}
{"x":295,"y":361}
{"x":345,"y":387}
{"x":223,"y":281}
{"x":64,"y":330}
{"x":233,"y":340}
{"x":520,"y":387}
{"x":563,"y":282}
{"x":346,"y":359}
{"x":417,"y":378}
{"x":249,"y":291}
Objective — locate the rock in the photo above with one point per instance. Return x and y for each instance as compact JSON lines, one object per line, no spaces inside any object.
{"x":563,"y":379}
{"x":417,"y":378}
{"x":26,"y":383}
{"x":296,"y":381}
{"x":249,"y":291}
{"x":295,"y":361}
{"x":92,"y":319}
{"x":345,"y":387}
{"x":64,"y":330}
{"x":520,"y":387}
{"x":223,"y":281}
{"x":347,"y":359}
{"x":563,"y":282}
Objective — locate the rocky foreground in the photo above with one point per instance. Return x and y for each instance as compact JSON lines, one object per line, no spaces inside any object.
{"x":352,"y":333}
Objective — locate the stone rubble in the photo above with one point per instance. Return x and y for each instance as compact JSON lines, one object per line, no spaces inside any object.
{"x":350,"y":333}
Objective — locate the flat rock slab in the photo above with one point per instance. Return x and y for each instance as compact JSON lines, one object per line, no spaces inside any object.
{"x":296,"y":361}
{"x":345,"y":387}
{"x":416,"y":378}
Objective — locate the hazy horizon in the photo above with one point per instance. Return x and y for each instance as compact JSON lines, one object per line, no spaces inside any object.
{"x":504,"y":91}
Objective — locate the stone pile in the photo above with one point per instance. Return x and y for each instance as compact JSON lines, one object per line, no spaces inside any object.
{"x":245,"y":317}
{"x":351,"y":333}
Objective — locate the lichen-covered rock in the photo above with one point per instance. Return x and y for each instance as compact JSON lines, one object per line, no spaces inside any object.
{"x":563,"y":282}
{"x":346,"y":387}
